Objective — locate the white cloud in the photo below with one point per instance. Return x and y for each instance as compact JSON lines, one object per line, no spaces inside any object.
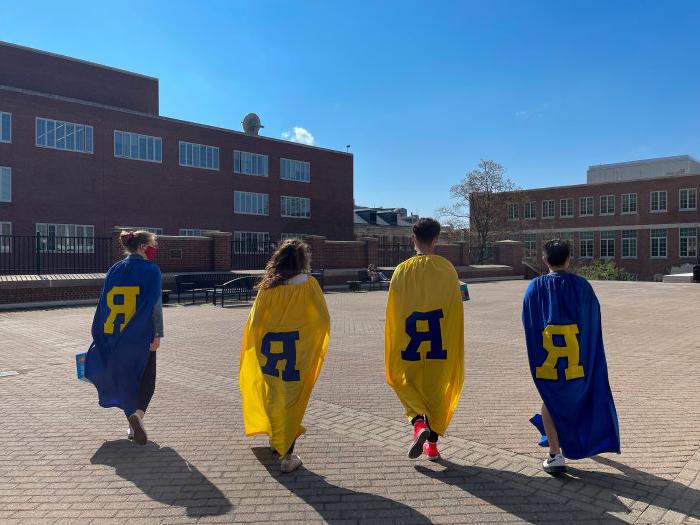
{"x":300,"y":135}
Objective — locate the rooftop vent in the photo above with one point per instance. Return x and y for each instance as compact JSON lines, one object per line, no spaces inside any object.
{"x":251,"y":124}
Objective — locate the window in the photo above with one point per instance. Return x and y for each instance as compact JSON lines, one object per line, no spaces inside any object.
{"x":689,"y":242}
{"x":513,"y":211}
{"x":566,"y":208}
{"x":5,"y":127}
{"x":296,"y":207}
{"x":156,"y":231}
{"x":629,"y":244}
{"x":607,"y":244}
{"x":688,"y":199}
{"x":199,"y":156}
{"x":629,"y":203}
{"x":530,"y":245}
{"x":66,"y":238}
{"x":189,"y":232}
{"x":250,"y":163}
{"x":658,"y":243}
{"x":658,"y":201}
{"x":585,"y":242}
{"x":251,"y":242}
{"x":548,"y":209}
{"x":68,"y":136}
{"x":137,"y":147}
{"x":251,"y":203}
{"x":585,"y":205}
{"x":530,"y":210}
{"x":5,"y":184}
{"x":295,"y":170}
{"x":607,"y":204}
{"x":285,"y":236}
{"x":5,"y":237}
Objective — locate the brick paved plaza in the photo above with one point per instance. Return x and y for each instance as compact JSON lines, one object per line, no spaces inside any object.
{"x":63,"y":459}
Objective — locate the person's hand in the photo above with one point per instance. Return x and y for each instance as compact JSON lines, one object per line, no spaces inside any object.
{"x":155,"y":344}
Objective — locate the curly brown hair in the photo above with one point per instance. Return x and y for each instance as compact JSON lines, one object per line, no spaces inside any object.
{"x":291,"y":258}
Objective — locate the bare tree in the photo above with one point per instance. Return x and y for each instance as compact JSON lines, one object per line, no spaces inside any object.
{"x":481,"y":203}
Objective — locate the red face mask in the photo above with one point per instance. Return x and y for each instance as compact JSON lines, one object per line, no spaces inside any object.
{"x":150,"y":253}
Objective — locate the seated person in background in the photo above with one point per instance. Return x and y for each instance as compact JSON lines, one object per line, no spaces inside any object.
{"x":375,"y":275}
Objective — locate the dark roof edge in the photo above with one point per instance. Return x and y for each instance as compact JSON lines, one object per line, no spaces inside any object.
{"x":160,"y":117}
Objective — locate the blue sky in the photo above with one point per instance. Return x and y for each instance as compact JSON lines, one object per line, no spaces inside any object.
{"x":421,"y":90}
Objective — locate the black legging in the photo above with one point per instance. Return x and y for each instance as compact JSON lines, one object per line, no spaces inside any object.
{"x":433,"y":437}
{"x":148,"y":383}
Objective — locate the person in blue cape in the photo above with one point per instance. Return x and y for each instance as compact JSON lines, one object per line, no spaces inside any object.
{"x":561,"y":317}
{"x":126,"y":333}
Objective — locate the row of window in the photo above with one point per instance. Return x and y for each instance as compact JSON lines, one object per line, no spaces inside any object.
{"x":5,"y":184}
{"x":658,"y":203}
{"x":249,"y":203}
{"x":70,"y":136}
{"x":688,"y":243}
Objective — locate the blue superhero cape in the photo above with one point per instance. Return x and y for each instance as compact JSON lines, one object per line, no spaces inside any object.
{"x":561,"y":317}
{"x":122,"y":331}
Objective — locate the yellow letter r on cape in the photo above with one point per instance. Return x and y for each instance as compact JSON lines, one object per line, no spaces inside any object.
{"x":570,"y":352}
{"x":127,"y":308}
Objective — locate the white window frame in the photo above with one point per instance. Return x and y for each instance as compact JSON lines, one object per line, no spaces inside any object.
{"x":695,"y":198}
{"x":193,"y":156}
{"x":246,"y":159}
{"x":622,"y":204}
{"x":530,"y":240}
{"x":544,"y":205}
{"x":513,"y":211}
{"x":4,"y":114}
{"x":607,"y":202}
{"x":300,"y":236}
{"x":288,"y":171}
{"x":530,"y":210}
{"x":127,"y":153}
{"x":570,"y":215}
{"x":626,"y":242}
{"x":246,"y":202}
{"x":150,"y":229}
{"x":6,"y":171}
{"x":190,"y":232}
{"x":243,"y":238}
{"x":66,"y":124}
{"x":688,"y":244}
{"x":651,"y":243}
{"x":299,"y":200}
{"x":651,"y":201}
{"x":5,"y":237}
{"x":580,"y":206}
{"x":57,"y":238}
{"x":587,"y":239}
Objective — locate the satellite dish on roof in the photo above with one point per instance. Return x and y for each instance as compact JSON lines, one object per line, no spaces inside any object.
{"x":251,"y":124}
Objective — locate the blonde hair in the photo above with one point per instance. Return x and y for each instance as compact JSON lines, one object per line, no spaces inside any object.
{"x":291,"y":258}
{"x":131,"y":240}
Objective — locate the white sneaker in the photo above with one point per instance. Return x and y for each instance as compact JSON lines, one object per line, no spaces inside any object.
{"x":290,"y":463}
{"x":130,"y":434}
{"x":136,"y":424}
{"x":554,"y":465}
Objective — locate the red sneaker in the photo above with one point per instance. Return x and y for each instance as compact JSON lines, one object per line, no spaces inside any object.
{"x":431,"y":451}
{"x":420,"y":435}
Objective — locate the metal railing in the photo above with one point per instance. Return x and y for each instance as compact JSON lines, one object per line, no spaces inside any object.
{"x":393,"y":253}
{"x":247,"y":255}
{"x":481,"y":254}
{"x":42,"y":254}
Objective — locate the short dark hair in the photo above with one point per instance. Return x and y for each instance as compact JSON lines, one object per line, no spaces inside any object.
{"x":426,"y":230}
{"x":556,"y":251}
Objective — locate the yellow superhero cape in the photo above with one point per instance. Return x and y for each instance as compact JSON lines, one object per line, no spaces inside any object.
{"x":424,"y":339}
{"x":284,"y":344}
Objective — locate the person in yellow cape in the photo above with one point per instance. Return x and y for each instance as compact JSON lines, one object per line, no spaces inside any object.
{"x":284,"y":344}
{"x":424,"y":340}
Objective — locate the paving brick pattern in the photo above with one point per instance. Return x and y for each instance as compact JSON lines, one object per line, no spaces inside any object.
{"x":65,"y":460}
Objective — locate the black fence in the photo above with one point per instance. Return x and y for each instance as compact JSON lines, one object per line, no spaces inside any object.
{"x":247,"y":255}
{"x":41,"y":254}
{"x":481,"y":254}
{"x":392,"y":253}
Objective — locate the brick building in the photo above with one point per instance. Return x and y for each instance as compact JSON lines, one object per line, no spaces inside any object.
{"x":383,"y":222}
{"x":83,"y":150}
{"x":643,"y":215}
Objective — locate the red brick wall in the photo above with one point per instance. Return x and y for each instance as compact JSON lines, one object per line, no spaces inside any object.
{"x":182,"y":254}
{"x":451,"y":252}
{"x":36,"y":295}
{"x":27,"y":69}
{"x":53,"y":186}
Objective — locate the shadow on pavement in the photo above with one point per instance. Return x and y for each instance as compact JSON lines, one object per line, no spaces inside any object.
{"x":498,"y":487}
{"x":164,"y":476}
{"x":335,"y":503}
